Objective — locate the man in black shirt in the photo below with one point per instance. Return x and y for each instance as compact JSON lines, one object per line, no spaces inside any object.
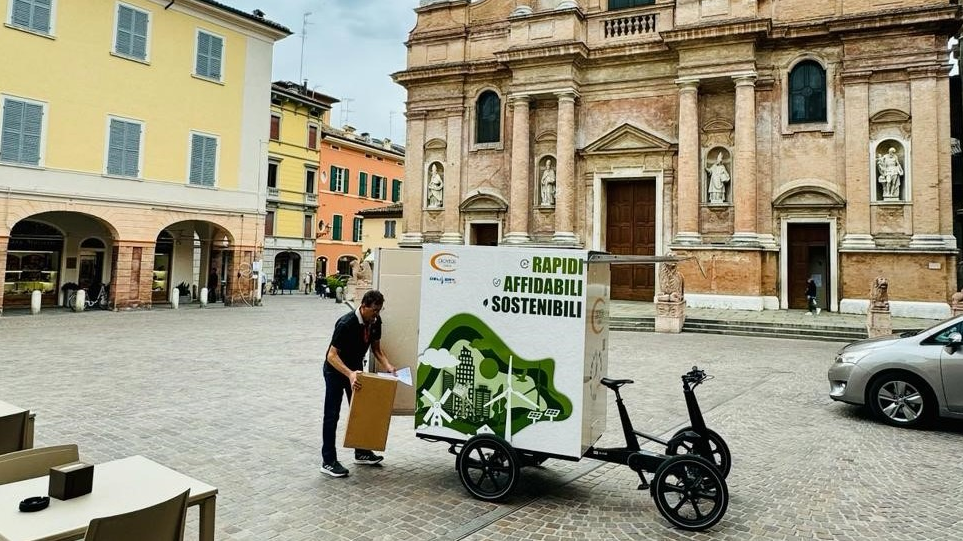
{"x":354,"y":333}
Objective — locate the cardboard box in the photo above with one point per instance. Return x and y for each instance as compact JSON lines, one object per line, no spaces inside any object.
{"x":370,"y":413}
{"x":71,"y":480}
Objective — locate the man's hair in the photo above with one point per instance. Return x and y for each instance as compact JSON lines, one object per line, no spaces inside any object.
{"x":373,"y":298}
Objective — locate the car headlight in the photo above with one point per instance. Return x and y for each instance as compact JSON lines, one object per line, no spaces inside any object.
{"x":851,"y":357}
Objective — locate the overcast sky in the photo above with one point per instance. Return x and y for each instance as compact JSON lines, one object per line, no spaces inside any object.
{"x":351,"y":49}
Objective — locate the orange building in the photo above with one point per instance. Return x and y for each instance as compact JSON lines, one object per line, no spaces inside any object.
{"x":357,"y":173}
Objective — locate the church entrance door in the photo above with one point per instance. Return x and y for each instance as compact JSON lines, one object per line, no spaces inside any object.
{"x":630,"y":230}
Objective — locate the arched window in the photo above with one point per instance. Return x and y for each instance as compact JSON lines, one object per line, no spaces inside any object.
{"x":807,"y":93}
{"x":488,"y":121}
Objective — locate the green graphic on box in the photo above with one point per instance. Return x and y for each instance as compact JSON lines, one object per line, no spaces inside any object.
{"x":471,"y":382}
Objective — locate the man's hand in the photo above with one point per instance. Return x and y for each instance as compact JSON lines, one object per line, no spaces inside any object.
{"x":390,"y":367}
{"x":353,"y":379}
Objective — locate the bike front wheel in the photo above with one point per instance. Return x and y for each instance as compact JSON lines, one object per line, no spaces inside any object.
{"x":718,"y":455}
{"x":689,"y":492}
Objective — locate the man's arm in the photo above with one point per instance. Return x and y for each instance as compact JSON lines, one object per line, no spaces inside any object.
{"x":379,"y":356}
{"x":334,"y":359}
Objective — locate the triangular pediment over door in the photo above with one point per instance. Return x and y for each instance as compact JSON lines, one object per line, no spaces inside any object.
{"x":628,"y":138}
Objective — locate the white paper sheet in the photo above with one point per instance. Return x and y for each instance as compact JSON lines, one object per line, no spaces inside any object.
{"x":403,"y":375}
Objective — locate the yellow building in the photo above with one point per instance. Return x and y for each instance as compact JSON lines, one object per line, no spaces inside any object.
{"x":381,"y":227}
{"x":297,"y":115}
{"x":133,"y":148}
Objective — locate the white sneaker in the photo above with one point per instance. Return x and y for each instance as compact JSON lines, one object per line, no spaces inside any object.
{"x":818,"y":310}
{"x":809,"y":313}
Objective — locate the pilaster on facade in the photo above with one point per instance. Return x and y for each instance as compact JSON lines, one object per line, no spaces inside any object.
{"x":689,"y":174}
{"x":518,"y":213}
{"x":744,"y":193}
{"x":565,"y":171}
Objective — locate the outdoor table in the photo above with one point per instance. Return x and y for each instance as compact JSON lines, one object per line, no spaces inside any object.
{"x":120,"y":486}
{"x":9,"y":409}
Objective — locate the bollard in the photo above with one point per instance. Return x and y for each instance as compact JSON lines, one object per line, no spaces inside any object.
{"x":79,"y":301}
{"x":339,"y":295}
{"x":203,"y":297}
{"x":35,"y":302}
{"x":175,"y":298}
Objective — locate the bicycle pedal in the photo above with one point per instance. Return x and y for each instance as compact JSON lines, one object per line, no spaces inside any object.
{"x":643,"y":486}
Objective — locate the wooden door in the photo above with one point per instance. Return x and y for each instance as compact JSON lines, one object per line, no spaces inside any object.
{"x":630,"y":230}
{"x":808,"y":256}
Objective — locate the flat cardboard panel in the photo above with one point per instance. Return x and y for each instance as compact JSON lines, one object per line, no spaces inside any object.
{"x":370,"y":413}
{"x":398,"y":276}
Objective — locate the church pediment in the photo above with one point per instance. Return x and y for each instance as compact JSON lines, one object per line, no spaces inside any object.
{"x":808,"y":195}
{"x":628,"y":138}
{"x":890,"y":116}
{"x":483,"y":201}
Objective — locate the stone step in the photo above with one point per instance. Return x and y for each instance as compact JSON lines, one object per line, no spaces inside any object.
{"x":749,"y":328}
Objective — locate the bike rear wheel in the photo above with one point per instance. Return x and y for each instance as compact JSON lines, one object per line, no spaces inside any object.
{"x":689,"y":492}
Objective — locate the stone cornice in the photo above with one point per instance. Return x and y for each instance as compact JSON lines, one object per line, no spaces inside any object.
{"x":570,"y":51}
{"x":917,"y":18}
{"x":746,"y":28}
{"x":452,"y":70}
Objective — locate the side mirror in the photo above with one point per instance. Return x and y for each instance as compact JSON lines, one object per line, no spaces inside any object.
{"x":956,"y":340}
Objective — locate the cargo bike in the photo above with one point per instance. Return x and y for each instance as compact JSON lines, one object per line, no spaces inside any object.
{"x":512,"y":371}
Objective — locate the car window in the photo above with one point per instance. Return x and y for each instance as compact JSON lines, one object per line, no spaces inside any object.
{"x":943,"y":337}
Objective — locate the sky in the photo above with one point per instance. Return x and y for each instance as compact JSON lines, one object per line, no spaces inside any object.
{"x":350,"y":51}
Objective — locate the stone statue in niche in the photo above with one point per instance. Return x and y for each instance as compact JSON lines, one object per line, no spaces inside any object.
{"x":889,"y":174}
{"x":718,"y":179}
{"x":548,"y":184}
{"x":436,"y":187}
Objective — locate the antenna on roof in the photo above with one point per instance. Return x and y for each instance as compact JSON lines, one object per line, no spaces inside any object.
{"x":304,"y":36}
{"x":346,"y":110}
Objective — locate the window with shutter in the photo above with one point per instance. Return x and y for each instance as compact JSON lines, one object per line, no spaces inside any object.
{"x":269,"y":224}
{"x":130,"y":38}
{"x":203,"y":160}
{"x":309,"y":175}
{"x":336,"y":227}
{"x":21,"y":132}
{"x":312,"y":137}
{"x":356,"y":230}
{"x":32,"y":15}
{"x":390,"y":229}
{"x":363,"y":184}
{"x":308,"y":226}
{"x":210,"y":48}
{"x":123,"y":148}
{"x":275,"y":127}
{"x":395,"y":190}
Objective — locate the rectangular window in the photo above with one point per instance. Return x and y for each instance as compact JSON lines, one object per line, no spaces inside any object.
{"x":312,"y":137}
{"x":308,"y":226}
{"x":339,"y":179}
{"x":275,"y":127}
{"x":309,"y":175}
{"x":336,"y":227}
{"x":356,"y":230}
{"x":32,"y":14}
{"x":625,"y":4}
{"x":210,"y":50}
{"x":390,"y":229}
{"x":123,"y":148}
{"x":21,"y":132}
{"x":379,"y":187}
{"x":269,"y":224}
{"x":130,"y":34}
{"x":203,"y":170}
{"x":395,"y":190}
{"x":362,"y":184}
{"x":272,"y":175}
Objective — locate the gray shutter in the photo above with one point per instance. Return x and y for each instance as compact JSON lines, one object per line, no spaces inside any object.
{"x":21,"y":13}
{"x":203,"y":54}
{"x":125,"y":27}
{"x":131,"y":149}
{"x":10,"y":132}
{"x":217,"y":48}
{"x":139,"y":45}
{"x":30,"y":135}
{"x":210,"y":159}
{"x":197,"y":157}
{"x":41,"y":16}
{"x":115,"y":148}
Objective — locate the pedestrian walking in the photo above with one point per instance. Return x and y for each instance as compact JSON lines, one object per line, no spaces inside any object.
{"x":811,"y":307}
{"x":213,"y":282}
{"x":354,"y":334}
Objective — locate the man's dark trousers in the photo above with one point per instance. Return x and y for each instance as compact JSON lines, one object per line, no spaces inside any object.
{"x":336,"y":385}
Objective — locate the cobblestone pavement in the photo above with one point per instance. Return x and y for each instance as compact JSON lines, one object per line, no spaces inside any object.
{"x":232,"y":396}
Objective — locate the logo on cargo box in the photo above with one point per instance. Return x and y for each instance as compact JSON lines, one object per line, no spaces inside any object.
{"x":444,"y":262}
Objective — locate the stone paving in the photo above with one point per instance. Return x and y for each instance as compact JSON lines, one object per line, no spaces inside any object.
{"x":232,"y":396}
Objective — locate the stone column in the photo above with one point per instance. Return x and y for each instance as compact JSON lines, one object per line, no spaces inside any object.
{"x":452,"y":194}
{"x":130,"y":285}
{"x":689,"y":173}
{"x":519,"y":202}
{"x":414,"y":180}
{"x":858,"y":183}
{"x":4,"y":243}
{"x":565,"y":171}
{"x":744,"y":166}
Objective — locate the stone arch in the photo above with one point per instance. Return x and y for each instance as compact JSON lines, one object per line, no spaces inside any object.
{"x":808,"y":193}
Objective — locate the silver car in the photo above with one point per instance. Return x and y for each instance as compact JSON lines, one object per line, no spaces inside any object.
{"x":905,"y":379}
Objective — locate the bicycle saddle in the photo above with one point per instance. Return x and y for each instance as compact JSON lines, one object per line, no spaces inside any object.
{"x":614,"y":383}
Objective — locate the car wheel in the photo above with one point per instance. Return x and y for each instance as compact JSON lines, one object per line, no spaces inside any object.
{"x":901,"y":399}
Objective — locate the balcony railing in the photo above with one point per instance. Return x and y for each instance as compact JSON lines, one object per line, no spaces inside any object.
{"x":631,"y":25}
{"x":272,"y":192}
{"x":311,"y":199}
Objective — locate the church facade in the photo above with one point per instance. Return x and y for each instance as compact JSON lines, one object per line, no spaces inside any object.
{"x":769,"y":142}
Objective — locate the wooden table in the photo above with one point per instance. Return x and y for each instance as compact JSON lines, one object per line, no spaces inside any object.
{"x":119,"y":486}
{"x":8,"y":409}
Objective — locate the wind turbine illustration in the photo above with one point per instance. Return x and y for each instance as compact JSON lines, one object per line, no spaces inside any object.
{"x":435,"y":414}
{"x":507,"y":396}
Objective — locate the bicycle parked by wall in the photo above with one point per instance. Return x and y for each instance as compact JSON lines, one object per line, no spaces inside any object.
{"x":102,"y":300}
